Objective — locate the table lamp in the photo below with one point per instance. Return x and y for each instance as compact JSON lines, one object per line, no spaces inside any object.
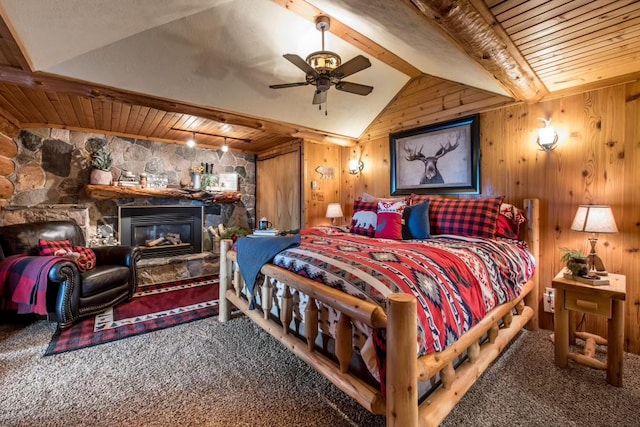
{"x":334,"y":210}
{"x":594,"y":219}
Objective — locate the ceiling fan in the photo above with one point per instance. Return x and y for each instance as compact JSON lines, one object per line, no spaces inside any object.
{"x":324,"y":69}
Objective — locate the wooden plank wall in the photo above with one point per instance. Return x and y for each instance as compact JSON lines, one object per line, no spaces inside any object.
{"x":597,"y":161}
{"x":278,"y":191}
{"x":320,"y":158}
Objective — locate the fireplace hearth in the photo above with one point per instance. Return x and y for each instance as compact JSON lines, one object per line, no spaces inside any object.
{"x":161,"y":231}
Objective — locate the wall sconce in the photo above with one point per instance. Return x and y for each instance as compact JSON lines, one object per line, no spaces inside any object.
{"x":547,"y":136}
{"x":355,"y":166}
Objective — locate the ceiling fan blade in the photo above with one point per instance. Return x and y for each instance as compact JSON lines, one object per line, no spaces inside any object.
{"x":352,"y":66}
{"x":282,"y":86}
{"x":319,"y":97}
{"x":356,"y":88}
{"x":300,"y":63}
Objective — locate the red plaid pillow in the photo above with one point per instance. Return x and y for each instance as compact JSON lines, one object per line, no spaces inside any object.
{"x":416,"y":199}
{"x":364,"y":218}
{"x":87,"y":259}
{"x":465,"y":217}
{"x":84,"y":258}
{"x":54,"y":247}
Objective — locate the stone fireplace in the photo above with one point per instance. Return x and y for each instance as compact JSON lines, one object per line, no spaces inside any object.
{"x":162,"y":231}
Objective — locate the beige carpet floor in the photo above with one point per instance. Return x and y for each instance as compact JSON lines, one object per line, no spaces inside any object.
{"x":210,"y":374}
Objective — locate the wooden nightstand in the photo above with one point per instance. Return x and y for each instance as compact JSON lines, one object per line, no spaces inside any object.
{"x":603,"y":300}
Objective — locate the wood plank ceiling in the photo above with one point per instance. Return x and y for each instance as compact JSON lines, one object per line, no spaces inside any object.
{"x":568,"y":45}
{"x":572,"y":43}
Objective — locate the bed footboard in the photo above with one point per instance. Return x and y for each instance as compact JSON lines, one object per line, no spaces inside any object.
{"x":404,"y":370}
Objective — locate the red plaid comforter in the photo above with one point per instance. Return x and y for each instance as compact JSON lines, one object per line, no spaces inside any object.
{"x":456,"y":280}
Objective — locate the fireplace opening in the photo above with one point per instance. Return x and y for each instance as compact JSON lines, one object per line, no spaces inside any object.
{"x":161,"y":231}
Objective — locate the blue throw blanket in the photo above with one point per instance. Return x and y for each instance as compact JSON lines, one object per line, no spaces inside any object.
{"x":254,"y":252}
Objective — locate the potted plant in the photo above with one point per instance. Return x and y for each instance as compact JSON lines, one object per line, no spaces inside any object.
{"x":101,"y":163}
{"x":575,"y":261}
{"x":233,"y":233}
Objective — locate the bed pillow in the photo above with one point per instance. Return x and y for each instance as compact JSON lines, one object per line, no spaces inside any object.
{"x":509,"y":220}
{"x":84,"y":258}
{"x":465,"y":217}
{"x":366,"y":197}
{"x":364,"y":218}
{"x":389,"y":221}
{"x":416,"y":221}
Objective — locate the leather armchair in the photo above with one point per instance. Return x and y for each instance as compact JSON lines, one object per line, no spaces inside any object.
{"x":71,"y":294}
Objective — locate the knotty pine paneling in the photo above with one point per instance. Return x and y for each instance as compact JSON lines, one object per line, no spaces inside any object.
{"x":278,"y":189}
{"x":328,"y":189}
{"x":597,"y":161}
{"x":628,"y":218}
{"x":426,"y":100}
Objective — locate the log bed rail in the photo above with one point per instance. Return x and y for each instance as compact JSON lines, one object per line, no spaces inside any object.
{"x":500,"y":326}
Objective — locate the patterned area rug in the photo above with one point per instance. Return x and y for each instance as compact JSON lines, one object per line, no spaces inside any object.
{"x":153,"y":307}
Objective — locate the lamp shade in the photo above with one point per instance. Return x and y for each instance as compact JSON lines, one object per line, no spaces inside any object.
{"x":594,"y":219}
{"x":334,"y":210}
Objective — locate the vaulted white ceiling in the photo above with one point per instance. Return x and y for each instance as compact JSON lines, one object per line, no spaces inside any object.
{"x":225,"y":53}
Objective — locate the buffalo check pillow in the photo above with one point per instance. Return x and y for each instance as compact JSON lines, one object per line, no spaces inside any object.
{"x":84,"y":258}
{"x":364,"y":218}
{"x":389,"y":221}
{"x":465,"y":217}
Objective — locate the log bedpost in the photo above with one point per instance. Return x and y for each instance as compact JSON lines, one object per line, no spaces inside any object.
{"x":402,"y":363}
{"x":532,"y":208}
{"x":225,"y":280}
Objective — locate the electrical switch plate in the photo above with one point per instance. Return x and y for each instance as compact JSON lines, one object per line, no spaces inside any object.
{"x":549,"y":300}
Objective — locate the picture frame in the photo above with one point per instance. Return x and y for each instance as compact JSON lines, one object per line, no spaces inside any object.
{"x":228,"y":181}
{"x":443,"y":158}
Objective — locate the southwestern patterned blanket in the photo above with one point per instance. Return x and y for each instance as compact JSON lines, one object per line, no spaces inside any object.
{"x":456,"y":280}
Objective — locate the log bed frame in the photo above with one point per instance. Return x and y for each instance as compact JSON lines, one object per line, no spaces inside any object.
{"x":401,"y":407}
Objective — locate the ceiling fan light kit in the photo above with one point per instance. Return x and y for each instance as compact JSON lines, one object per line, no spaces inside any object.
{"x":324,"y":69}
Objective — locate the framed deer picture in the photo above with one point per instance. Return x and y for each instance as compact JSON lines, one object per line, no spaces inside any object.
{"x":438,"y":159}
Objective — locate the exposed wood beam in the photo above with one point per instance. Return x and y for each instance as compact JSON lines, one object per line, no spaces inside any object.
{"x":600,"y":84}
{"x":47,"y":82}
{"x":351,"y":36}
{"x":470,"y":25}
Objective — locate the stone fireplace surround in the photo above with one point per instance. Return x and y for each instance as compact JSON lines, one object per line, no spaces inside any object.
{"x":52,"y":170}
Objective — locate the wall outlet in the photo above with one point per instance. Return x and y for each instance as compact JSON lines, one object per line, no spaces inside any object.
{"x":549,"y":300}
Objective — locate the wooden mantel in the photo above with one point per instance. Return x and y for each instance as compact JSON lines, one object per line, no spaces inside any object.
{"x":107,"y":192}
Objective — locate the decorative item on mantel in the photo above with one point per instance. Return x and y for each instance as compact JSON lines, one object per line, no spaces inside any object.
{"x":101,"y":163}
{"x":196,"y":181}
{"x":128,"y":179}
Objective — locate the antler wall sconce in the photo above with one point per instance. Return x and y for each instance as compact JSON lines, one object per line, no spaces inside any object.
{"x":355,"y":166}
{"x":547,"y":136}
